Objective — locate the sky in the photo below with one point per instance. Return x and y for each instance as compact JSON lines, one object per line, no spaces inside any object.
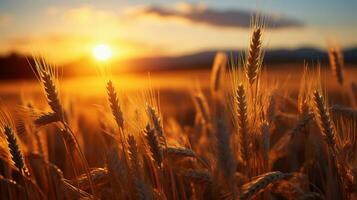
{"x":65,"y":31}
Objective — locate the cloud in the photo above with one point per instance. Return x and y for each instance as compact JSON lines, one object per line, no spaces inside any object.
{"x":89,"y":14}
{"x":4,"y":20}
{"x":200,"y":14}
{"x":52,"y":11}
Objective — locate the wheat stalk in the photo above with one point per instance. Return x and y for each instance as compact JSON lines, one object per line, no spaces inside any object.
{"x":265,"y":143}
{"x":354,"y":91}
{"x":270,"y":114}
{"x":11,"y":189}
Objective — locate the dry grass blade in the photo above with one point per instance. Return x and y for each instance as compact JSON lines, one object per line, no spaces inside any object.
{"x":39,"y":143}
{"x":72,"y":192}
{"x":260,"y":183}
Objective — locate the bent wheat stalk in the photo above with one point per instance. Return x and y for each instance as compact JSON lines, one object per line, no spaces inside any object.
{"x":260,"y":183}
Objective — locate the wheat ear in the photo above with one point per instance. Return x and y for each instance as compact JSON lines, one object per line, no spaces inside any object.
{"x":253,"y":61}
{"x":344,"y":111}
{"x":116,"y":168}
{"x":336,"y":63}
{"x":301,"y":123}
{"x":324,"y":121}
{"x":133,"y":155}
{"x":197,"y":176}
{"x":154,"y":145}
{"x":242,"y":122}
{"x":16,"y":154}
{"x":156,"y":122}
{"x":260,"y":183}
{"x":179,"y":152}
{"x":224,"y":155}
{"x":47,"y":118}
{"x":114,"y":105}
{"x":202,"y":106}
{"x":218,"y":70}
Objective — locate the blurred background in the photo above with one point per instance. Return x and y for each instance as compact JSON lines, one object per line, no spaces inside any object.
{"x":162,"y":35}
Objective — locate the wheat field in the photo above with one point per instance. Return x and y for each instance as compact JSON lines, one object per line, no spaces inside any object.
{"x":241,"y":133}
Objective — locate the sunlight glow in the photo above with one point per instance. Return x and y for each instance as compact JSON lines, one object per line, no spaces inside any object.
{"x":102,"y":52}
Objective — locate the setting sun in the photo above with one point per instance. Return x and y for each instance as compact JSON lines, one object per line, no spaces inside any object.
{"x":102,"y":52}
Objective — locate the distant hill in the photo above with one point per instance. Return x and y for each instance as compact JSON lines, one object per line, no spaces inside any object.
{"x":16,"y":66}
{"x":205,"y":59}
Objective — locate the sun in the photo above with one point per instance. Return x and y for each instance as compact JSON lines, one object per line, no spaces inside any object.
{"x":102,"y":52}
